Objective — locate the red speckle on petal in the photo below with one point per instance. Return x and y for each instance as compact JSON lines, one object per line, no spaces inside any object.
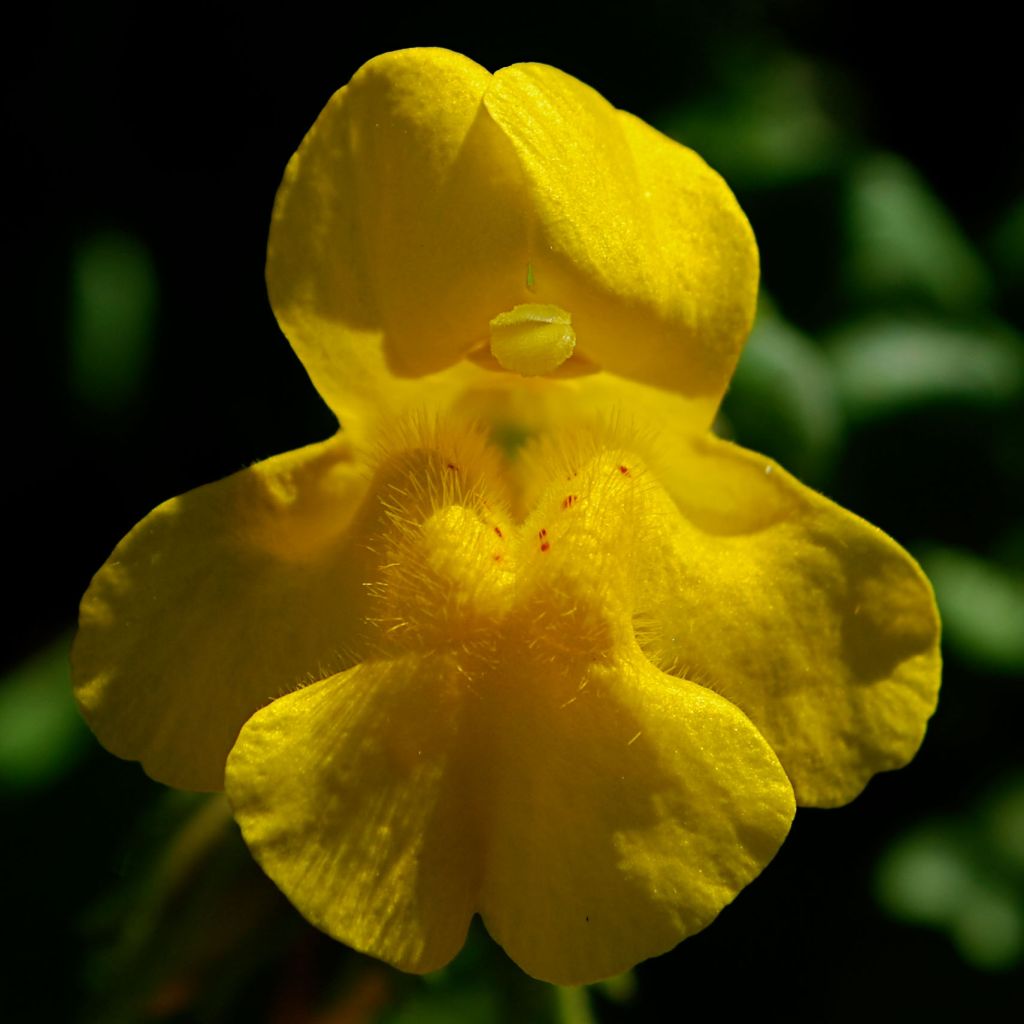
{"x":453,"y":467}
{"x":624,"y":470}
{"x":543,"y":533}
{"x":497,"y":530}
{"x":545,"y":546}
{"x":569,"y":501}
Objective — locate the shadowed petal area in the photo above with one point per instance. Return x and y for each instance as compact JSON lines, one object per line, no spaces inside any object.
{"x":631,"y":232}
{"x":217,"y":602}
{"x":817,"y":625}
{"x":430,"y":197}
{"x":356,"y":797}
{"x":398,"y":225}
{"x":627,"y":809}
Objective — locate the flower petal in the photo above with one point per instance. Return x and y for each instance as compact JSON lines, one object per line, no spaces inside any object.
{"x":631,"y":232}
{"x":816,"y":624}
{"x":217,"y":602}
{"x":430,"y":198}
{"x":398,"y":223}
{"x":393,"y":801}
{"x":627,"y":809}
{"x":356,"y":796}
{"x":525,"y":409}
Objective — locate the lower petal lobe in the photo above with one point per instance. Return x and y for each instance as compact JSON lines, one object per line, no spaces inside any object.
{"x":627,"y":809}
{"x":356,"y":796}
{"x":594,"y":814}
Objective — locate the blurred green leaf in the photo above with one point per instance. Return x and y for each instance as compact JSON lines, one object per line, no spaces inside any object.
{"x":783,"y":398}
{"x":903,"y":243}
{"x":926,"y":876}
{"x":1005,"y":821}
{"x":1008,"y":245}
{"x":113,"y":314}
{"x":42,"y":734}
{"x":767,"y":125}
{"x":886,"y":365}
{"x":942,"y":875}
{"x":990,"y":931}
{"x":982,"y":607}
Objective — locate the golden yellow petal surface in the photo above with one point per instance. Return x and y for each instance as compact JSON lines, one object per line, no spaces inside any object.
{"x":629,"y":805}
{"x":813,"y":622}
{"x":357,"y":796}
{"x":430,"y":197}
{"x":632,"y":233}
{"x":584,"y":720}
{"x":595,"y":815}
{"x":218,"y":602}
{"x":506,"y":749}
{"x":398,"y":223}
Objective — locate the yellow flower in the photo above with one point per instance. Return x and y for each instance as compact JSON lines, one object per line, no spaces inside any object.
{"x":524,"y":639}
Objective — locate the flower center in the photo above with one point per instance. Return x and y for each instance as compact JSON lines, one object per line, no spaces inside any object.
{"x":532,"y":339}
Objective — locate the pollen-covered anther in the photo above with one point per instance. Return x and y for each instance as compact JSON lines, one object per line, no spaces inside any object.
{"x":532,"y":339}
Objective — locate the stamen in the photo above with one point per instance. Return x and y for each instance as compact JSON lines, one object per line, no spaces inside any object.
{"x":532,"y":339}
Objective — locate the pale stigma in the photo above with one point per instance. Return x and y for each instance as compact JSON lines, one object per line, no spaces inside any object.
{"x":532,"y":339}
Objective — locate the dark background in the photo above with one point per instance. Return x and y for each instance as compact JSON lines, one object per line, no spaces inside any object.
{"x":877,"y":149}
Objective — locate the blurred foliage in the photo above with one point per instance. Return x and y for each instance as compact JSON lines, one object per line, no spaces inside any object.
{"x":113,"y":313}
{"x":902,"y":245}
{"x":1008,"y":249}
{"x":785,"y":392}
{"x":886,"y":368}
{"x":965,"y":876}
{"x":982,"y":605}
{"x":887,"y":364}
{"x":771,"y":123}
{"x":42,"y":736}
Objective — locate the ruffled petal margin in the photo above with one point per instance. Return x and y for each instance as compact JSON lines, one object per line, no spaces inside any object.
{"x":631,"y":232}
{"x":813,"y":622}
{"x":216,"y":603}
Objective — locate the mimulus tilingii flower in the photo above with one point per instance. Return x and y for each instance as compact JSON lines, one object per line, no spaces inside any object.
{"x":523,"y":639}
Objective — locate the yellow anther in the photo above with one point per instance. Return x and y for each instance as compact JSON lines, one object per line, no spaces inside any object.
{"x":532,"y":339}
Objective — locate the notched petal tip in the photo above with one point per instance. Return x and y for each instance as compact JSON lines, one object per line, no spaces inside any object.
{"x":393,"y":802}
